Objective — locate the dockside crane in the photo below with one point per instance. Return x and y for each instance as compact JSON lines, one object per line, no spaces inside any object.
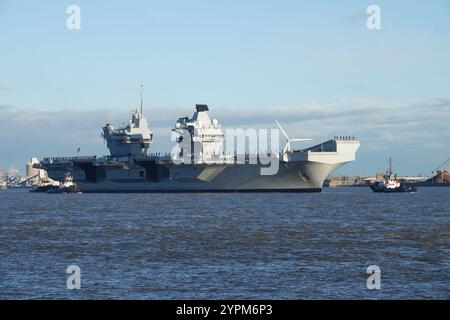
{"x":443,"y":166}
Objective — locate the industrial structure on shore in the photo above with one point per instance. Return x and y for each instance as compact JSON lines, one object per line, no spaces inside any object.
{"x":440,"y":177}
{"x":14,"y":179}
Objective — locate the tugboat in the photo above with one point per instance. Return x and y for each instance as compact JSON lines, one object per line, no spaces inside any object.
{"x":45,"y":185}
{"x":65,"y":187}
{"x":391,"y":184}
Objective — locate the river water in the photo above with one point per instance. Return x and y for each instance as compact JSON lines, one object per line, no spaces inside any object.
{"x":226,"y":246}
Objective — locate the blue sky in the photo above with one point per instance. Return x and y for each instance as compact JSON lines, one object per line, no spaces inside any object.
{"x":273,"y":58}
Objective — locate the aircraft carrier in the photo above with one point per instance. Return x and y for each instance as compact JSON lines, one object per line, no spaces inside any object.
{"x":199,"y":163}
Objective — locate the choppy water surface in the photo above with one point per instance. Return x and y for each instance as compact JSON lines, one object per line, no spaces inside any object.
{"x":226,"y":246}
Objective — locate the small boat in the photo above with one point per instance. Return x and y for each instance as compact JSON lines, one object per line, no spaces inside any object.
{"x":45,"y":185}
{"x":381,"y":187}
{"x":68,"y":186}
{"x":391,"y":184}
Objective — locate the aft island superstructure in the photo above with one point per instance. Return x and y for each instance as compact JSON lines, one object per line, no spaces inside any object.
{"x":198,"y":163}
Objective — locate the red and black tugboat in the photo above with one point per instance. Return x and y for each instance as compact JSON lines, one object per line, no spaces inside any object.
{"x":391,"y":184}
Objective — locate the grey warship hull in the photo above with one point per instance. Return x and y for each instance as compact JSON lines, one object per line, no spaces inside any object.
{"x":297,"y":172}
{"x":292,"y":177}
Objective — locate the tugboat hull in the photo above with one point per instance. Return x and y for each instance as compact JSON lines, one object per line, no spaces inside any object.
{"x":401,"y":189}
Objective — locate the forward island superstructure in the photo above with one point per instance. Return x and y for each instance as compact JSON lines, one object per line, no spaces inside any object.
{"x":198,"y":163}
